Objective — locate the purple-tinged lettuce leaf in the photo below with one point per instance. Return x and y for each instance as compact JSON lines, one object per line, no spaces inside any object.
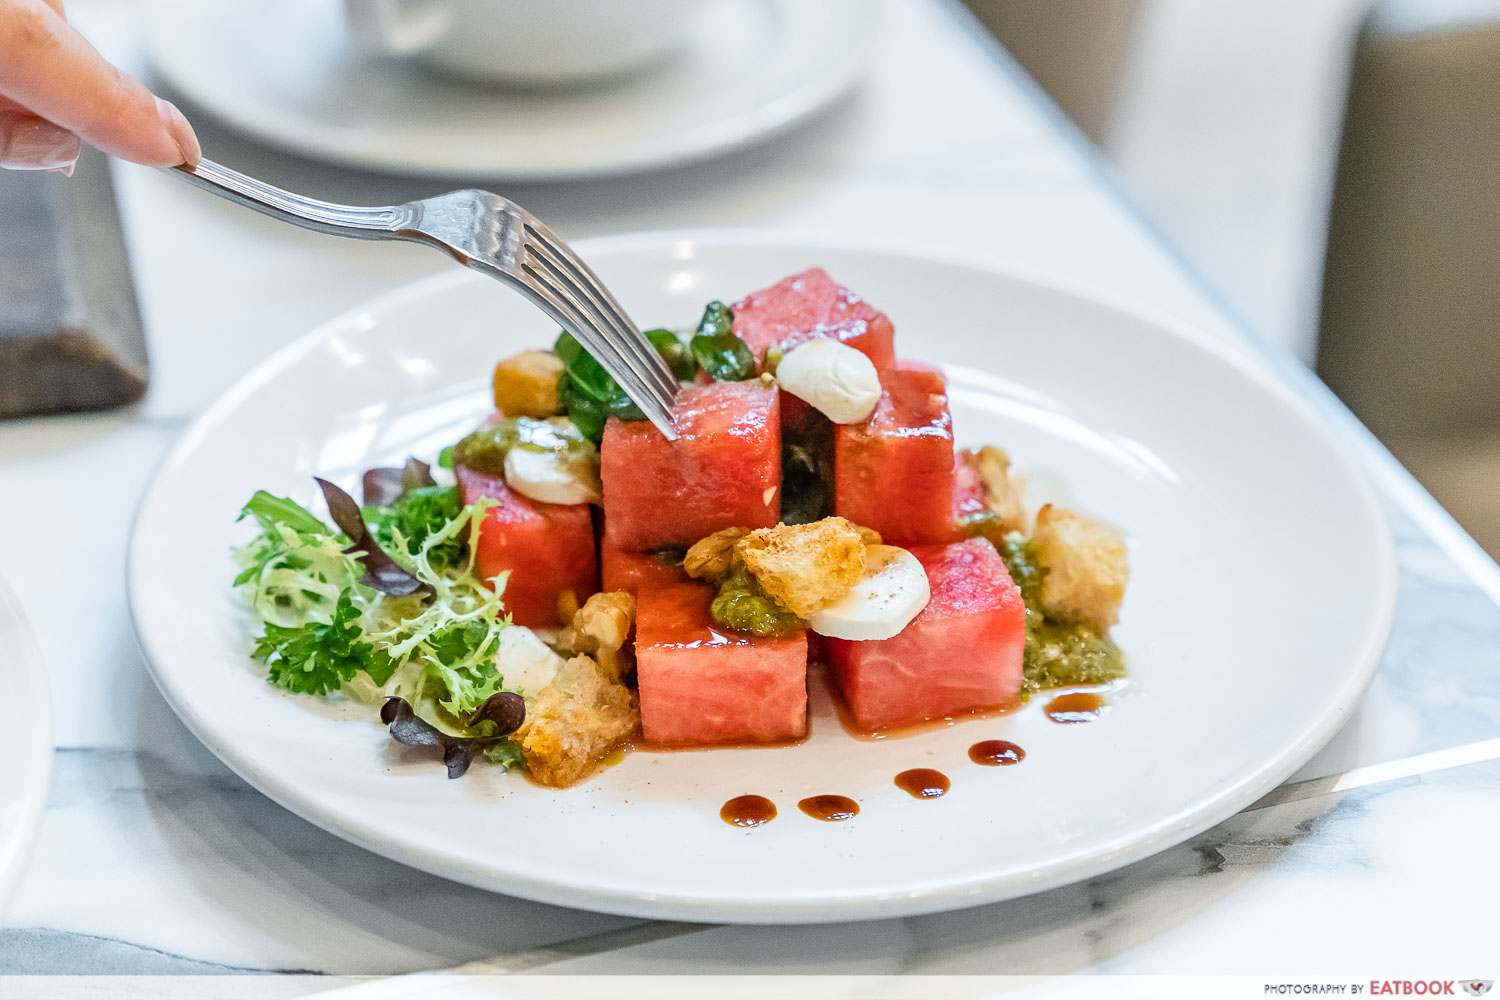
{"x":410,"y":729}
{"x":383,"y":487}
{"x":382,"y":573}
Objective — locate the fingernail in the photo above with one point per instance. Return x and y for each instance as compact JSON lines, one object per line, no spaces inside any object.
{"x":35,"y":144}
{"x":66,"y":171}
{"x":181,"y":132}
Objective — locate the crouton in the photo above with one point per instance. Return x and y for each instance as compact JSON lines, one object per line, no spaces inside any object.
{"x":805,"y":567}
{"x":526,"y":385}
{"x":574,"y":722}
{"x":1087,"y":567}
{"x":710,"y":557}
{"x":1003,"y":489}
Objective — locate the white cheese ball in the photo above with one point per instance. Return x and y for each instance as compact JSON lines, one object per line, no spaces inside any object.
{"x":551,"y":476}
{"x":834,"y":378}
{"x":526,"y":662}
{"x":892,"y":591}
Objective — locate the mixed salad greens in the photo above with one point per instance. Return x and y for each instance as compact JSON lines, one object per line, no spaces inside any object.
{"x":386,"y":609}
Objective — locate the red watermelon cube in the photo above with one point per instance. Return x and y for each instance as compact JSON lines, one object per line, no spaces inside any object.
{"x":805,"y":307}
{"x":894,"y":472}
{"x":630,"y":571}
{"x":701,"y":684}
{"x":968,"y":489}
{"x":810,"y":305}
{"x":724,"y":469}
{"x":548,"y":548}
{"x":961,"y":654}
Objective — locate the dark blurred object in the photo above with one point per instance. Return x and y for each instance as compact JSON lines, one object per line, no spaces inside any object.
{"x":70,"y":329}
{"x":1410,"y":328}
{"x":1074,"y":48}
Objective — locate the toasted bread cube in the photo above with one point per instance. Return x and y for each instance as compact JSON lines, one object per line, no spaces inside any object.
{"x":1087,"y":567}
{"x":1004,"y":491}
{"x":574,"y":722}
{"x":805,"y":567}
{"x":526,"y":385}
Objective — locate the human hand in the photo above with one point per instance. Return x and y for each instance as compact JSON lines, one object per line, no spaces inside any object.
{"x":57,"y":91}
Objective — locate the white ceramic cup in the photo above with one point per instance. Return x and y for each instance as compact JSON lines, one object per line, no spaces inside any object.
{"x":522,"y":41}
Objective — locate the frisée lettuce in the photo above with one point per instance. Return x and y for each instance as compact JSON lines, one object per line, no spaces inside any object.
{"x":325,"y":631}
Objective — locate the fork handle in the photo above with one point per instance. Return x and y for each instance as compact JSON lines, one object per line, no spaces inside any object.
{"x":356,"y":221}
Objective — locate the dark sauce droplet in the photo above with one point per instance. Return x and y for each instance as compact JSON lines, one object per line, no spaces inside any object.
{"x":748,"y":810}
{"x":1079,"y":706}
{"x":830,"y":808}
{"x":923,"y":783}
{"x":996,"y":753}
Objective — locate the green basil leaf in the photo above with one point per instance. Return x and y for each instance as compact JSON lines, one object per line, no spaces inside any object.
{"x":723,"y":355}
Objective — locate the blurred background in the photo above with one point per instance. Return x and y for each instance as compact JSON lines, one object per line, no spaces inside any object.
{"x":1330,"y":168}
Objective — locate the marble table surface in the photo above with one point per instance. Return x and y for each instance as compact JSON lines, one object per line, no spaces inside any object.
{"x":159,"y":868}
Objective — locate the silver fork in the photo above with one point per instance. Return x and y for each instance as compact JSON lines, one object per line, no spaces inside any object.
{"x":496,"y":237}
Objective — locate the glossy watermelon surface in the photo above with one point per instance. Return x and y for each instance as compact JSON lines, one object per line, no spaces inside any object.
{"x":961,"y":654}
{"x":895,"y":471}
{"x":547,"y":548}
{"x":723,"y":470}
{"x":702,"y":685}
{"x":629,"y":571}
{"x":810,"y":305}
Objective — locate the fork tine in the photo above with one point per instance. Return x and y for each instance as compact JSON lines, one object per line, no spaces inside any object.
{"x":598,"y":296}
{"x":618,"y":342}
{"x":627,"y":340}
{"x":567,"y":313}
{"x":602,"y":340}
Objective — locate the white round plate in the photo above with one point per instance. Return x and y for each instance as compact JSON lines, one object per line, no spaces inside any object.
{"x":284,"y":72}
{"x":25,"y":741}
{"x":1261,"y":596}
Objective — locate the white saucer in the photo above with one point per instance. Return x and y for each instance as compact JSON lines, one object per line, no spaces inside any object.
{"x":284,"y":72}
{"x":1261,"y":593}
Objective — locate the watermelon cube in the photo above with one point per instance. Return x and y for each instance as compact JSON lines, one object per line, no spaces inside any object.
{"x":548,"y":548}
{"x":968,"y":489}
{"x":810,"y":305}
{"x":724,"y":469}
{"x":894,"y":472}
{"x":961,"y":654}
{"x":630,"y":571}
{"x":701,"y":684}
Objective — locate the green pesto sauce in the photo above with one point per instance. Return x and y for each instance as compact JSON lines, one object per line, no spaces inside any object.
{"x":742,"y":605}
{"x":484,"y":450}
{"x":1058,"y":654}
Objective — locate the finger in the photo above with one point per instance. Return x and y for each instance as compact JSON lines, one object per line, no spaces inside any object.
{"x":31,"y":143}
{"x":57,"y":5}
{"x":49,"y":68}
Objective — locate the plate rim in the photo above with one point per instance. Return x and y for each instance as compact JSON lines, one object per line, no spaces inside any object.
{"x":849,"y":905}
{"x":787,"y":110}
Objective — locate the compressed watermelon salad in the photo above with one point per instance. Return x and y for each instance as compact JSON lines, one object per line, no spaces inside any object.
{"x":568,"y":583}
